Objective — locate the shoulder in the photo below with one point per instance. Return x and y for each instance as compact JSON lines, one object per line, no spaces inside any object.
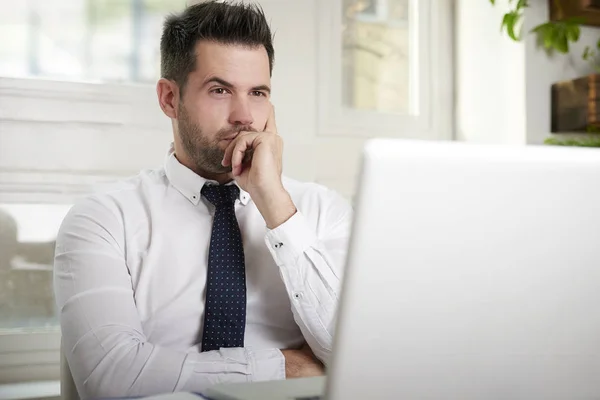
{"x":132,"y":188}
{"x":107,"y":205}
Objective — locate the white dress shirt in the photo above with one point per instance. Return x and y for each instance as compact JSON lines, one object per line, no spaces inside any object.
{"x":130,"y":281}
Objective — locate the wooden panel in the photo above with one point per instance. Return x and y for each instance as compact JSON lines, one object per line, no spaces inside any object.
{"x":589,"y":10}
{"x":575,"y":105}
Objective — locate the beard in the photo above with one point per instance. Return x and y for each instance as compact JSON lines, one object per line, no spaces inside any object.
{"x":203,"y":151}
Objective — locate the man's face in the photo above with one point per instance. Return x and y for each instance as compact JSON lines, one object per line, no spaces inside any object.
{"x":228,"y":92}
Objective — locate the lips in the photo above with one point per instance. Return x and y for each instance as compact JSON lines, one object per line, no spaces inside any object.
{"x":231,"y":137}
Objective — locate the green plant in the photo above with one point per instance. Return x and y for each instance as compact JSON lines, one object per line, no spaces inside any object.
{"x":590,"y":141}
{"x":555,"y":36}
{"x":552,"y":35}
{"x":592,"y":56}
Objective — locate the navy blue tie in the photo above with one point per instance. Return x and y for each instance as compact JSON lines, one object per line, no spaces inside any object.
{"x":225,"y":306}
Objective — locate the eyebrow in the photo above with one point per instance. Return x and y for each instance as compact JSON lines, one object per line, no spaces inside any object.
{"x":263,"y":88}
{"x":228,"y":85}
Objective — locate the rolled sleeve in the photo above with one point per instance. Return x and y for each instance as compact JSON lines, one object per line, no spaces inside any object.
{"x":267,"y":365}
{"x":248,"y":364}
{"x":107,"y":351}
{"x":310,"y":263}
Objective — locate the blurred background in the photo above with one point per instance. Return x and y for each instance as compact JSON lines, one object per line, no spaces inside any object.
{"x":78,"y":110}
{"x":59,"y":50}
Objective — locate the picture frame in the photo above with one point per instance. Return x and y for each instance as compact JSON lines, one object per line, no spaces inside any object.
{"x":588,"y":10}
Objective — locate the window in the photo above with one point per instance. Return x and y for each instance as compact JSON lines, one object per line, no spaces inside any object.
{"x":83,"y":40}
{"x":77,"y":109}
{"x":27,"y":239}
{"x":28,"y":315}
{"x":369,"y":8}
{"x":376,"y":55}
{"x":390,"y":67}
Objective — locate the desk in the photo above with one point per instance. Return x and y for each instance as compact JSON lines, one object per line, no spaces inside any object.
{"x":166,"y":396}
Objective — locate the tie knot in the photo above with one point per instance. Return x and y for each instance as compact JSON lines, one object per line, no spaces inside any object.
{"x":221,"y":195}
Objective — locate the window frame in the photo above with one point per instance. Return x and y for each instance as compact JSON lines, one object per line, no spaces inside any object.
{"x":380,"y":14}
{"x":111,"y":108}
{"x":431,"y":116}
{"x":30,"y":355}
{"x":33,"y":354}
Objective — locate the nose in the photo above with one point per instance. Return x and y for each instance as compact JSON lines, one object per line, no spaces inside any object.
{"x":240,"y":112}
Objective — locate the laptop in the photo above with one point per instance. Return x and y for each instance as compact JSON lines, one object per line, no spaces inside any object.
{"x":473,"y":273}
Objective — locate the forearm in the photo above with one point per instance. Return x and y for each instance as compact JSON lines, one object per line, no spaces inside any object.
{"x":144,"y":370}
{"x":310,"y":269}
{"x":276,"y":206}
{"x":314,"y":297}
{"x":114,"y":359}
{"x":103,"y":338}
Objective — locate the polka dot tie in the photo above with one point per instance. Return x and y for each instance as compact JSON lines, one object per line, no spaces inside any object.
{"x":225,"y":306}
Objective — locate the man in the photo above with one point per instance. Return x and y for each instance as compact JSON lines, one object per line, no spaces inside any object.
{"x":213,"y":268}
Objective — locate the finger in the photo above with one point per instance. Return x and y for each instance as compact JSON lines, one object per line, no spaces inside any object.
{"x":227,"y":155}
{"x":271,"y":125}
{"x":243,"y":145}
{"x":229,"y":150}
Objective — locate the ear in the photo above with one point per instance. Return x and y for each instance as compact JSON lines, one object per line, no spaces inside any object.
{"x":168,"y":97}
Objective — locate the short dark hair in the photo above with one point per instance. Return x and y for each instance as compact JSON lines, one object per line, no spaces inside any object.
{"x":239,"y":23}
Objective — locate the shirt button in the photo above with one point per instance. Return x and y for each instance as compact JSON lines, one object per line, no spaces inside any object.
{"x":298,"y":295}
{"x":278,"y":245}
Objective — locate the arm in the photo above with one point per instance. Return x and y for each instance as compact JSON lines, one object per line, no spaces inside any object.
{"x":103,"y":338}
{"x":310,"y":263}
{"x":311,"y":268}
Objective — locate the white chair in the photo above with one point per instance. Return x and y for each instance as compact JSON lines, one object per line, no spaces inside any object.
{"x":68,"y":390}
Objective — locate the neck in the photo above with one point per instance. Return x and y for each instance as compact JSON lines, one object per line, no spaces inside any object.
{"x":221,"y":178}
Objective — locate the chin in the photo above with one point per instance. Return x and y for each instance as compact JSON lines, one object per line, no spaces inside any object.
{"x":222,"y":170}
{"x":216,"y":169}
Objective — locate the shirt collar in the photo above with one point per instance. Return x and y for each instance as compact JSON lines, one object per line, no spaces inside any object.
{"x":190,"y":184}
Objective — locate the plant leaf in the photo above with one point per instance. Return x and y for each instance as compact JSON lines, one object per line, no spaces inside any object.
{"x":561,"y":43}
{"x":573,"y":33}
{"x":541,"y":28}
{"x":586,"y":53}
{"x":510,"y":21}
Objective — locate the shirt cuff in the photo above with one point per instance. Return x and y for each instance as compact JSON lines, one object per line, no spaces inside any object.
{"x":267,"y":365}
{"x":289,"y":240}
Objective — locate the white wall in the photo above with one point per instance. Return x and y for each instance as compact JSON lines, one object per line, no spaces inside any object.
{"x":489,"y":77}
{"x":503,"y":87}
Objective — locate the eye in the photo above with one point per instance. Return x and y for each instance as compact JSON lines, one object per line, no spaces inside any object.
{"x":258,"y":93}
{"x":219,"y":91}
